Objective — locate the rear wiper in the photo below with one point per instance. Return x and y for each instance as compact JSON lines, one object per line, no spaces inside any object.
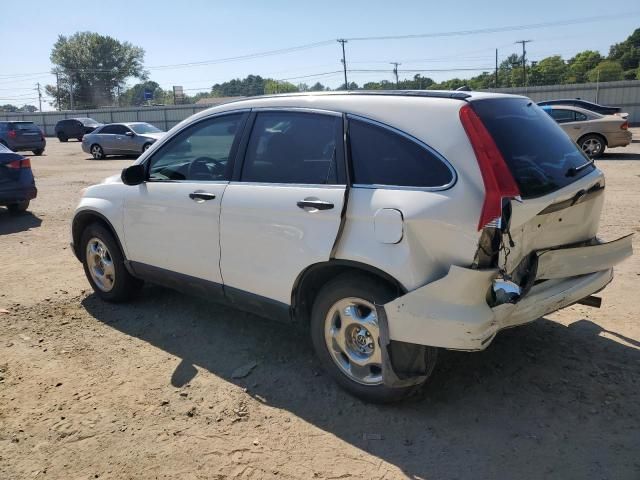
{"x":573,"y":171}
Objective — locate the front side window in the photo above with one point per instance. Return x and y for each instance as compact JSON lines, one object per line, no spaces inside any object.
{"x":381,"y":156}
{"x":294,"y":147}
{"x":199,"y":153}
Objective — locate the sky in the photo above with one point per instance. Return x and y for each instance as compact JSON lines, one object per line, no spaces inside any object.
{"x":173,"y":32}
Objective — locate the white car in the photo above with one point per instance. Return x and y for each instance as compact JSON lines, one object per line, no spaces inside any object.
{"x":392,"y":223}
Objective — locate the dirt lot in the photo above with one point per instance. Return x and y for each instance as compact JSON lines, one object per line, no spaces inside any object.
{"x":145,"y":390}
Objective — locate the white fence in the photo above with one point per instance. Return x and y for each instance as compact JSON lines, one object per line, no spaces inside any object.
{"x":625,"y":94}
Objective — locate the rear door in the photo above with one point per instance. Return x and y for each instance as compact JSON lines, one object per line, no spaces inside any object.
{"x":106,"y":139}
{"x":282,"y":211}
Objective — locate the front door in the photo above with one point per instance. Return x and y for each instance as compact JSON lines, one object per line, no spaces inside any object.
{"x":283,"y":212}
{"x":171,"y":222}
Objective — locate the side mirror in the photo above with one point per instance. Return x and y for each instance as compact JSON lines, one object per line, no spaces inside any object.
{"x":133,"y":175}
{"x":130,"y":134}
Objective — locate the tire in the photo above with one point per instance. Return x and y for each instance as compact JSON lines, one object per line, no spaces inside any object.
{"x":38,"y":151}
{"x":145,"y":147}
{"x":62,"y":137}
{"x":20,"y":207}
{"x":593,"y":145}
{"x":342,"y":293}
{"x":104,"y":267}
{"x":97,"y":152}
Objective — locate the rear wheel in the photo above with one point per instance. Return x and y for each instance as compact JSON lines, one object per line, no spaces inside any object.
{"x":97,"y":152}
{"x":62,"y":137}
{"x":346,"y":336}
{"x":80,"y":138}
{"x":104,"y":265}
{"x":18,"y":207}
{"x":592,"y":145}
{"x":38,"y":151}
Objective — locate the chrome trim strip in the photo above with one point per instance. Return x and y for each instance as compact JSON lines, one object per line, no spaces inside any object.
{"x":454,"y":174}
{"x":296,"y":185}
{"x":297,"y":109}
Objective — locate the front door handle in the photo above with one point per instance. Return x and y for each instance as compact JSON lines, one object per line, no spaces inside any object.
{"x":315,"y":204}
{"x":201,"y":196}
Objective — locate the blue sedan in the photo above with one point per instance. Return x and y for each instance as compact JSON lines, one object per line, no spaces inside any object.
{"x":17,"y":185}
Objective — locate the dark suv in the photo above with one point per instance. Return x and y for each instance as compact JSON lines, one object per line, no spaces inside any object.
{"x":75,"y":128}
{"x":21,"y":136}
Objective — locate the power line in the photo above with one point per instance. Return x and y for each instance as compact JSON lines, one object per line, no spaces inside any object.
{"x":509,"y":28}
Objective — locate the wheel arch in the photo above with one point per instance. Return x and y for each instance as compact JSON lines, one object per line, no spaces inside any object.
{"x":603,"y":137}
{"x":81,"y":221}
{"x":310,"y":280}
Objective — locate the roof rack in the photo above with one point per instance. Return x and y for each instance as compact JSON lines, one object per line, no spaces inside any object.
{"x":392,"y":93}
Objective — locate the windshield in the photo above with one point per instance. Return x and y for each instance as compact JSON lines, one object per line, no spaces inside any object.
{"x":142,"y":128}
{"x":90,"y":122}
{"x":541,"y":157}
{"x":23,"y":126}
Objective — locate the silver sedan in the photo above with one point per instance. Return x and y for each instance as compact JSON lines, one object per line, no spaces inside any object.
{"x":120,"y":139}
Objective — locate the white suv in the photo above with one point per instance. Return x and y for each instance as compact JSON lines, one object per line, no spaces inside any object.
{"x":391,"y":223}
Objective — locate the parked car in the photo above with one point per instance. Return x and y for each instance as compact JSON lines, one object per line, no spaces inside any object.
{"x":120,"y":139}
{"x":384,"y":221}
{"x":577,"y":102}
{"x":591,"y":131}
{"x":17,"y":185}
{"x":75,"y":128}
{"x":22,"y":136}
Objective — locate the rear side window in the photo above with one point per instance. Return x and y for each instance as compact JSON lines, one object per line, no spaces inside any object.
{"x":540,"y":156}
{"x":381,"y":156}
{"x":294,"y":147}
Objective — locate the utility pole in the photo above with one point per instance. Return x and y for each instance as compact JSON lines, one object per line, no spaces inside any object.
{"x":496,"y":82}
{"x":524,"y":61}
{"x":58,"y":89}
{"x":395,"y":72}
{"x":39,"y":96}
{"x":71,"y":92}
{"x":344,"y":63}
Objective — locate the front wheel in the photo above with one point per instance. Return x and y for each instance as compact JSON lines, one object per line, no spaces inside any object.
{"x":592,"y":145}
{"x":104,"y":265}
{"x":346,"y":336}
{"x":97,"y":152}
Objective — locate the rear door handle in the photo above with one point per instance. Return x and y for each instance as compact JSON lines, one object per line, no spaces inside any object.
{"x":317,"y":204}
{"x":201,"y":196}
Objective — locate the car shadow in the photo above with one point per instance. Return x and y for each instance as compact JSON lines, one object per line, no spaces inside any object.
{"x":541,"y":401}
{"x":20,"y":222}
{"x":114,"y":157}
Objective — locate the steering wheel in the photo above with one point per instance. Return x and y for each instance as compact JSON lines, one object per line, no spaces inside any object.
{"x":199,"y":168}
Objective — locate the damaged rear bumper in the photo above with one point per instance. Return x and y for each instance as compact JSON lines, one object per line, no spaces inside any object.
{"x":453,"y":312}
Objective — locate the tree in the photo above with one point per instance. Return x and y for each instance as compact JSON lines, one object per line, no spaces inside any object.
{"x":9,"y":108}
{"x":276,"y":86}
{"x":317,"y":87}
{"x":548,"y":71}
{"x":92,"y":67}
{"x":627,"y":53}
{"x":28,"y":108}
{"x":247,"y":87}
{"x":134,"y":96}
{"x":580,"y":64}
{"x":352,"y":86}
{"x":606,"y":71}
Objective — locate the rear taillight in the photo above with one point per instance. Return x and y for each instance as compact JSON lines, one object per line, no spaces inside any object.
{"x":497,"y":179}
{"x":17,"y":164}
{"x":11,"y":134}
{"x":625,"y":125}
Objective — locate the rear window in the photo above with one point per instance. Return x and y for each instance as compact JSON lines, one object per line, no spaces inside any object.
{"x":23,"y":126}
{"x":541,"y":157}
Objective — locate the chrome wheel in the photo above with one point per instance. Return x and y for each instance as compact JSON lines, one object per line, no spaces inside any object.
{"x":100,"y":264}
{"x":592,"y":147}
{"x":352,"y":337}
{"x":97,"y":152}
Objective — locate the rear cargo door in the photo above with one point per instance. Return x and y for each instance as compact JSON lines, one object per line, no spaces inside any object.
{"x":26,"y":133}
{"x":561,"y":189}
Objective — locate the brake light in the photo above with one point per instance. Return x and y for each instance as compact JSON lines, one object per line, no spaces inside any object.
{"x":497,"y":179}
{"x":11,"y":134}
{"x":17,"y":164}
{"x":625,"y":125}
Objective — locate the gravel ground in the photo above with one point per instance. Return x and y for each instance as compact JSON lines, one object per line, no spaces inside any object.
{"x":146,"y":389}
